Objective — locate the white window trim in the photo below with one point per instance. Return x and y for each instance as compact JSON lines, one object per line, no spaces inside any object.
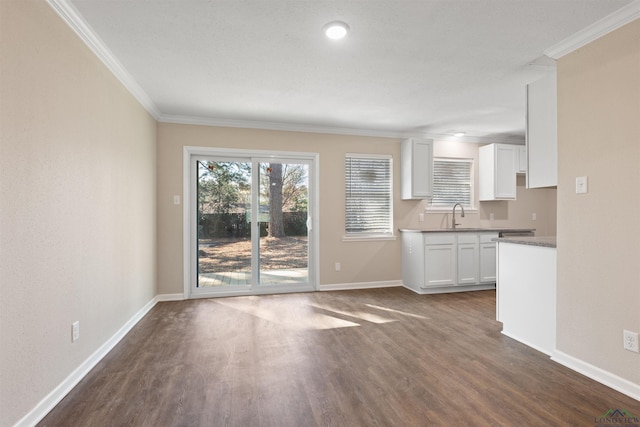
{"x":360,"y":237}
{"x":473,"y":209}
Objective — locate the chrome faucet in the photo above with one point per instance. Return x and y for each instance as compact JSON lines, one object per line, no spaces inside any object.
{"x":453,"y":221}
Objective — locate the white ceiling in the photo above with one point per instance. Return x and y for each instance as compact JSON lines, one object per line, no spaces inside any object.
{"x":407,"y":66}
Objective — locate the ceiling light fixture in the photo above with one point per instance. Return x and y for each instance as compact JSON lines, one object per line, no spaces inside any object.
{"x":459,"y":134}
{"x":336,"y":30}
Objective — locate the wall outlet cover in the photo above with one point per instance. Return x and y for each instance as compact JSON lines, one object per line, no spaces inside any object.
{"x":630,"y":340}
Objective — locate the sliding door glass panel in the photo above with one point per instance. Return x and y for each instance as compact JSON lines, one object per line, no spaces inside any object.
{"x":283,"y":218}
{"x":223,"y":223}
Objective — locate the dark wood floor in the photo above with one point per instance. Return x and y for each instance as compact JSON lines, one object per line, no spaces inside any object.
{"x":384,"y":357}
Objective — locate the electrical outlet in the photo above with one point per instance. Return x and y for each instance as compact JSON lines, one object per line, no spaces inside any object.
{"x":338,"y":266}
{"x":630,"y":340}
{"x":491,"y":216}
{"x":75,"y":331}
{"x":421,"y":217}
{"x":534,"y":217}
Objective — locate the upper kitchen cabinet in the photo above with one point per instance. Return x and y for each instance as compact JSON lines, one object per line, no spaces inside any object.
{"x":522,"y":159}
{"x":542,"y":133}
{"x":497,"y":172}
{"x":416,"y":169}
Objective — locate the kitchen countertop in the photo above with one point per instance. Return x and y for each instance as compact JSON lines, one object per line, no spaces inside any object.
{"x":544,"y":241}
{"x":462,"y":230}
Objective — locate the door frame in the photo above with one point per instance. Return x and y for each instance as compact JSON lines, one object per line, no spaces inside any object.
{"x":188,"y":228}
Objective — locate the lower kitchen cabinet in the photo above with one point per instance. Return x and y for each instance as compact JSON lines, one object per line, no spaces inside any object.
{"x":488,"y":258}
{"x":468,"y":259}
{"x":449,"y":261}
{"x":440,"y":260}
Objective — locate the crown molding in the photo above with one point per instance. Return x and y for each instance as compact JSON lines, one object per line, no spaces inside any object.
{"x":279,"y":126}
{"x":610,"y":23}
{"x":76,"y":22}
{"x":298,"y":127}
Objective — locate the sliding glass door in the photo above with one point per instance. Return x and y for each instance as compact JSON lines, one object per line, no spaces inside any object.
{"x":283,"y":253}
{"x":223,"y":256}
{"x":251,"y":225}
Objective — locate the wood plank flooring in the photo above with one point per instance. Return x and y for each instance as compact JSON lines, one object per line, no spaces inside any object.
{"x":382,"y":357}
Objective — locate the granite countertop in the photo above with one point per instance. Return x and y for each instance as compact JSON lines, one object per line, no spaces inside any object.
{"x":544,"y":241}
{"x":462,"y":230}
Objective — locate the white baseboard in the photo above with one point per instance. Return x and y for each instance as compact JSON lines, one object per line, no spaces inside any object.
{"x":360,"y":285}
{"x":600,"y":375}
{"x":170,"y":297}
{"x":52,"y":399}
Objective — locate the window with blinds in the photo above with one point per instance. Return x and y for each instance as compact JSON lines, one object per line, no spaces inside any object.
{"x":369,"y":198}
{"x":452,"y":183}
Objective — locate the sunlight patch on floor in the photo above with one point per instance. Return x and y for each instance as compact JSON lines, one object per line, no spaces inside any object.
{"x":404,"y":313}
{"x":368,"y":317}
{"x":305,"y":319}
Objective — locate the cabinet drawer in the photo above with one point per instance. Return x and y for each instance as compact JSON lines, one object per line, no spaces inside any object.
{"x":467,"y":238}
{"x":488,"y":237}
{"x":440,"y":239}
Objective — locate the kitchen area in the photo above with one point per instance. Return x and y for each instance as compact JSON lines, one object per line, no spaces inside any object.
{"x":505,"y":238}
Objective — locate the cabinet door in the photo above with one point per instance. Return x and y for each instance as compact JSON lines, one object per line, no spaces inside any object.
{"x":542,"y":133}
{"x":497,"y":172}
{"x":488,"y":262}
{"x":417,"y":169}
{"x":467,"y":263}
{"x":522,"y":159}
{"x":440,"y":265}
{"x":505,"y":172}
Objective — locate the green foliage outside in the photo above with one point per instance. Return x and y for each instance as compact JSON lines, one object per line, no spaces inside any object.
{"x":224,"y":198}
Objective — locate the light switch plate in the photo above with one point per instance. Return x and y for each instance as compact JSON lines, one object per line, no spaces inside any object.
{"x":581,"y":185}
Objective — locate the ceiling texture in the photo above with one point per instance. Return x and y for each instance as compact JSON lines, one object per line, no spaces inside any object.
{"x":407,"y":67}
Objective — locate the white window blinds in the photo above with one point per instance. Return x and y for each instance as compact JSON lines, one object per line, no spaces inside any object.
{"x":452,"y":183}
{"x":368,"y":194}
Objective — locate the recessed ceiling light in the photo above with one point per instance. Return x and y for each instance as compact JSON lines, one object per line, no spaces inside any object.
{"x":336,"y":30}
{"x":459,"y":134}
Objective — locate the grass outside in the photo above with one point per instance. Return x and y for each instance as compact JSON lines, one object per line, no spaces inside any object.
{"x":233,"y":254}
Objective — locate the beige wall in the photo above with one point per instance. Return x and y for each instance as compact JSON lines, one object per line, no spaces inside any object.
{"x":598,"y":234}
{"x":362,"y":262}
{"x":77,"y":192}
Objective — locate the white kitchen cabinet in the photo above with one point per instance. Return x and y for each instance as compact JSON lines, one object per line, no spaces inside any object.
{"x":440,"y":259}
{"x":497,"y":172}
{"x":542,"y":133}
{"x":522,"y":159}
{"x":437,"y":262}
{"x":488,"y":257}
{"x":468,"y":259}
{"x":416,"y":172}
